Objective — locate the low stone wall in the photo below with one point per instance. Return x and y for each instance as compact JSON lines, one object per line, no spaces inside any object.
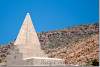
{"x":37,"y":61}
{"x":47,"y":66}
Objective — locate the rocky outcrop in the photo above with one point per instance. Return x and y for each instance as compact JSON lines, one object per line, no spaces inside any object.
{"x":76,"y":45}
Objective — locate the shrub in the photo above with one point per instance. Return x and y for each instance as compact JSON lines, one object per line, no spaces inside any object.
{"x":93,"y":62}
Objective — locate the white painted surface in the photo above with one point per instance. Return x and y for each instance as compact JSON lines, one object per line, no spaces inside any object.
{"x":27,"y":40}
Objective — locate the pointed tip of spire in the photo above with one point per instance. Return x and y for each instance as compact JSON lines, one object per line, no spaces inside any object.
{"x":28,"y":13}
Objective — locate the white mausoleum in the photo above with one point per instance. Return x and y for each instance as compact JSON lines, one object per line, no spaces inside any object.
{"x":27,"y":50}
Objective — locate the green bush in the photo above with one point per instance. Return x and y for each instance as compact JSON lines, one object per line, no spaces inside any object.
{"x":93,"y":62}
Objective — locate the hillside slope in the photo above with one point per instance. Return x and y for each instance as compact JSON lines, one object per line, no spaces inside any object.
{"x":76,"y":45}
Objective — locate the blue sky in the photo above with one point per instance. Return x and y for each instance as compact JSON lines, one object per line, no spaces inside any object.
{"x":46,"y":15}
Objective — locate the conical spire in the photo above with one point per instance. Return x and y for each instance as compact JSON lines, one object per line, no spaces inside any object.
{"x":27,"y":40}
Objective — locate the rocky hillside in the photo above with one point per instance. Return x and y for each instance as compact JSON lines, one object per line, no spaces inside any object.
{"x":77,"y":45}
{"x":4,"y":51}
